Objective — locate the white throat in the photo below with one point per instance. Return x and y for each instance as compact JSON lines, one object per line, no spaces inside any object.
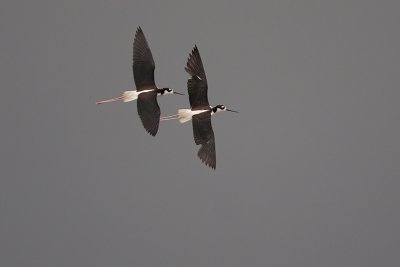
{"x":166,"y":93}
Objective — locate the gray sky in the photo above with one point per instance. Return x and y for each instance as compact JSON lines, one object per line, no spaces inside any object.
{"x":307,"y":174}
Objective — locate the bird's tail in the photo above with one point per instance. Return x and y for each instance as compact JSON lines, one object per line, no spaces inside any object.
{"x":127,"y":96}
{"x":184,"y":115}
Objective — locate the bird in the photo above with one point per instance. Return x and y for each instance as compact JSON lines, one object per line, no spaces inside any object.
{"x":200,"y":112}
{"x":146,"y":90}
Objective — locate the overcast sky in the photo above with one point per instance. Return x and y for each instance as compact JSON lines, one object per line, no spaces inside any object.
{"x":308,"y":173}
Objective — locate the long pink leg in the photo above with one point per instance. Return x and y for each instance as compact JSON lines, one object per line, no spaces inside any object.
{"x":167,"y":118}
{"x":120,"y":98}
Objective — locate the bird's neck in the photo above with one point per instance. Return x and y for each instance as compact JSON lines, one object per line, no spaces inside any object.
{"x":163,"y":91}
{"x":160,"y":91}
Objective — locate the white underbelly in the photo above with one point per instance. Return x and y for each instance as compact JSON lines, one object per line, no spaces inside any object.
{"x":186,"y":114}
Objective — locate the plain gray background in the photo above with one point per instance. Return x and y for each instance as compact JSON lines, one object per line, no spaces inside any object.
{"x":307,"y":174}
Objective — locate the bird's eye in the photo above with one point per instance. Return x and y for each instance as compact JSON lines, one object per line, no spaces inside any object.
{"x":223,"y":107}
{"x":169,"y":89}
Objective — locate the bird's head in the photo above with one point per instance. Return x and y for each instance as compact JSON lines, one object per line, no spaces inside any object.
{"x":169,"y":91}
{"x":219,"y":108}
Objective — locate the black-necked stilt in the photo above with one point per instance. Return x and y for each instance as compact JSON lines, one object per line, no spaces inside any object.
{"x":201,"y":111}
{"x":147,"y":91}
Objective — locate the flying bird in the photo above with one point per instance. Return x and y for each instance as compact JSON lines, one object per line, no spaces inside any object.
{"x":200,"y":112}
{"x":146,"y":90}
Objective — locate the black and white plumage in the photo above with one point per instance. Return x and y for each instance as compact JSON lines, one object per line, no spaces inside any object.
{"x":143,"y":63}
{"x":200,"y":111}
{"x":204,"y":135}
{"x":146,"y":90}
{"x":197,"y":84}
{"x":149,"y":111}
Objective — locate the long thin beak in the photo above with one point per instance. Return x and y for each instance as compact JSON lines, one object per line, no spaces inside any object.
{"x":232,"y":110}
{"x":178,"y":93}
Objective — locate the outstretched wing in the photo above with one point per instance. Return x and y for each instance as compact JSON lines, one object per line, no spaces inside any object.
{"x":149,"y":111}
{"x":143,"y":63}
{"x":204,"y":136}
{"x":197,"y":84}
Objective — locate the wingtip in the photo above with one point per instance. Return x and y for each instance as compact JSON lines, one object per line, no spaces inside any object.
{"x":213,"y":167}
{"x":195,"y":49}
{"x":138,"y":31}
{"x":209,"y":163}
{"x":151,"y":131}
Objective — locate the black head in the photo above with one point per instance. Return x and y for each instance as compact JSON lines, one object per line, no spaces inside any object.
{"x":218,"y":108}
{"x":168,"y":91}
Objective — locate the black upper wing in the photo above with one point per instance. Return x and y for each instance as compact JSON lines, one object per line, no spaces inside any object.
{"x":197,"y":84}
{"x":143,"y":63}
{"x":149,"y":111}
{"x":204,"y":136}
